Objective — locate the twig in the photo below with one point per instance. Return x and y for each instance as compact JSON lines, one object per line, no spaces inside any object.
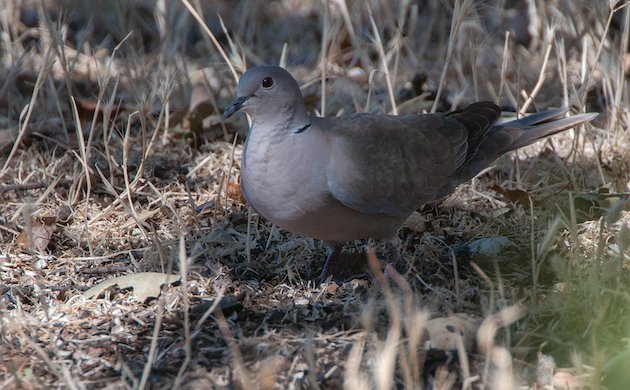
{"x":381,"y":52}
{"x":459,"y":12}
{"x":541,"y":77}
{"x":21,"y":187}
{"x":183,"y":271}
{"x":216,"y":43}
{"x":153,"y":346}
{"x":506,"y":45}
{"x":25,"y":115}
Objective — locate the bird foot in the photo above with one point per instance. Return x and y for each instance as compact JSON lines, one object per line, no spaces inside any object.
{"x":323,"y":276}
{"x":394,"y":268}
{"x":334,"y":253}
{"x":390,"y":270}
{"x":393,"y":257}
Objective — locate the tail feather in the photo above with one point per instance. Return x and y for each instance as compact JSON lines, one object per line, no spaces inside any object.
{"x":539,"y":117}
{"x":509,"y":136}
{"x":534,"y":131}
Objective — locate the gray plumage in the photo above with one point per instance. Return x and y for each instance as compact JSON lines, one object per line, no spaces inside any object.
{"x":361,"y":175}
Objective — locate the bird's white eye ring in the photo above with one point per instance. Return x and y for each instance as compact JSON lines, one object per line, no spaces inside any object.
{"x":267,"y":82}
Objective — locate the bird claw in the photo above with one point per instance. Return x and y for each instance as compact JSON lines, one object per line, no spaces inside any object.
{"x":333,"y":255}
{"x":323,"y":276}
{"x":390,"y":269}
{"x":393,"y":257}
{"x":393,"y":270}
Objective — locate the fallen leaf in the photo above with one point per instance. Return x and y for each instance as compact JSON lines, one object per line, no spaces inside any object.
{"x":513,"y":196}
{"x":36,"y":237}
{"x":144,"y":284}
{"x":233,"y":191}
{"x":332,"y":288}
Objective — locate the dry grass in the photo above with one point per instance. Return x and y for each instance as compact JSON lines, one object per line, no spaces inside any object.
{"x":111,"y":137}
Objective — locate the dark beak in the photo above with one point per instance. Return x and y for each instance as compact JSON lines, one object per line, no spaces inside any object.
{"x":236,"y":105}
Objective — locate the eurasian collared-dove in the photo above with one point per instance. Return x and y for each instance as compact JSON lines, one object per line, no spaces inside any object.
{"x":361,"y":175}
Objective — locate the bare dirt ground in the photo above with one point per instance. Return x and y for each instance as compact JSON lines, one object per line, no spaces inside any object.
{"x":115,"y":161}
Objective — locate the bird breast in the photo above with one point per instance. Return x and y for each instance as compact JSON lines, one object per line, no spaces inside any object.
{"x":285,"y":179}
{"x":279,"y":182}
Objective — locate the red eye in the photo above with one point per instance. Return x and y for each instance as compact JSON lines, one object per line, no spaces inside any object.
{"x":267,"y":82}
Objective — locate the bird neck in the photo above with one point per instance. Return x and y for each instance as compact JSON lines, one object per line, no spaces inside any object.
{"x":285,"y":120}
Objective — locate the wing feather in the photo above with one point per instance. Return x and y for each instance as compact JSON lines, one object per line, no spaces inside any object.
{"x":390,"y":165}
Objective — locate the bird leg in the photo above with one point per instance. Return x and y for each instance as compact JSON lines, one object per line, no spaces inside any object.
{"x":393,"y":257}
{"x":334,"y":253}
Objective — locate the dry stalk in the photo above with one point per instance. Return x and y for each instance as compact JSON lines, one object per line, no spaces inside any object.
{"x":25,"y":115}
{"x":504,"y":61}
{"x":183,"y":271}
{"x":146,"y":372}
{"x":460,"y":11}
{"x":208,"y":32}
{"x":551,"y":31}
{"x":383,"y":57}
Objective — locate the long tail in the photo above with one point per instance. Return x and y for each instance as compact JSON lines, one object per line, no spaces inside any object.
{"x":509,"y":136}
{"x":541,"y":125}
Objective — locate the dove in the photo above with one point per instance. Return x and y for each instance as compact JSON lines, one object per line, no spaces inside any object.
{"x":361,"y":175}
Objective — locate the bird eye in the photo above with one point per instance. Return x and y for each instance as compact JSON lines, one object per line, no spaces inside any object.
{"x":267,"y":82}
